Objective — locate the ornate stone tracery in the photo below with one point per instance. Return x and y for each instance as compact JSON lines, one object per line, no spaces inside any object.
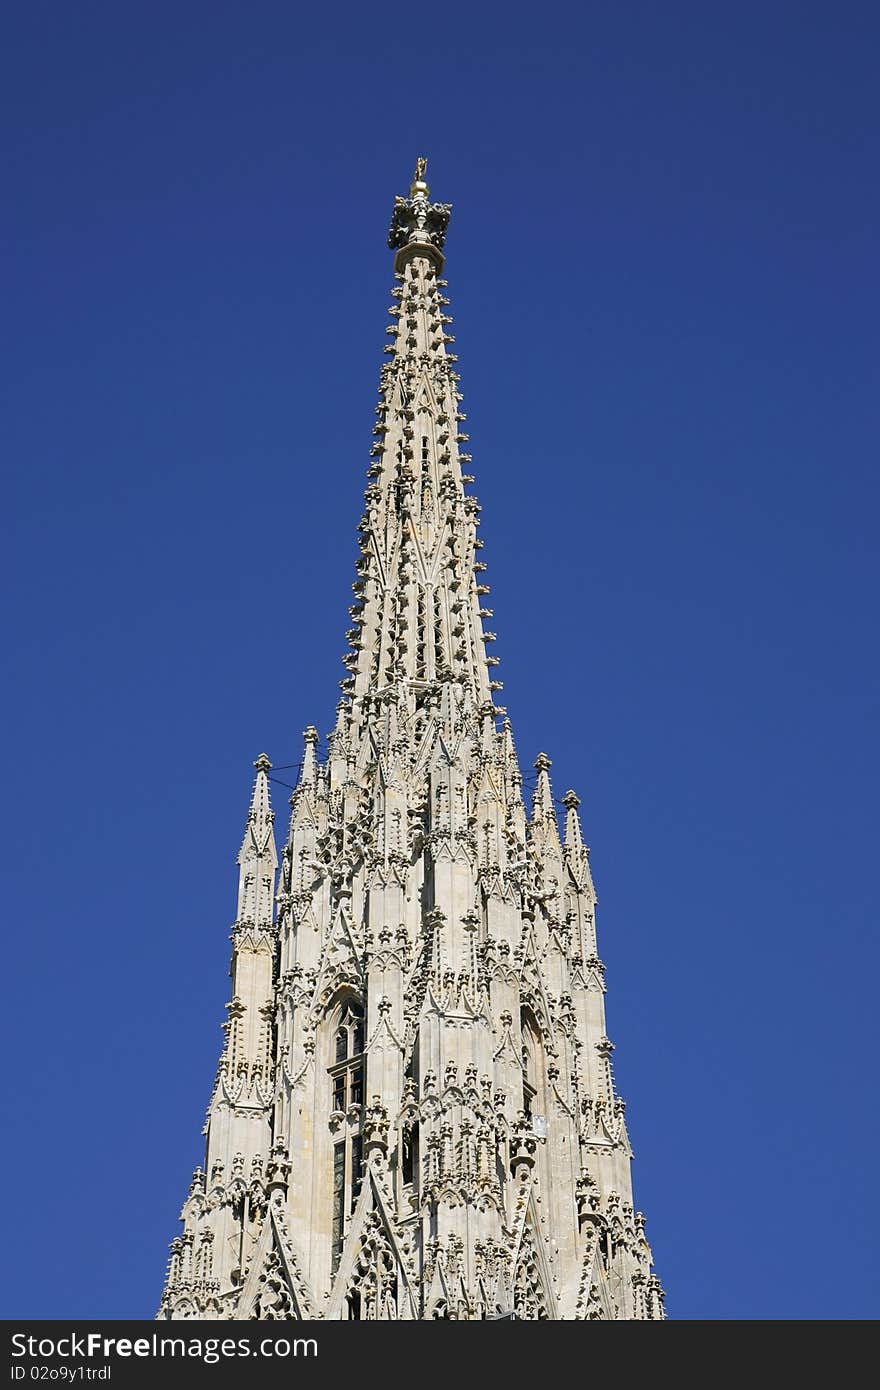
{"x":274,"y":1302}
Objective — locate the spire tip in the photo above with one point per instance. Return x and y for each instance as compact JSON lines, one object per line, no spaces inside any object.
{"x":418,"y":184}
{"x":418,"y":223}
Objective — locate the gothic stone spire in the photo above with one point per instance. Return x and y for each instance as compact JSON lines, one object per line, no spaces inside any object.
{"x":415,"y":1113}
{"x":258,"y":858}
{"x":417,"y":616}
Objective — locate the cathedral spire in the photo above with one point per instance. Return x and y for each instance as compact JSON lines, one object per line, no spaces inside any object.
{"x":414,"y":1113}
{"x":417,"y":615}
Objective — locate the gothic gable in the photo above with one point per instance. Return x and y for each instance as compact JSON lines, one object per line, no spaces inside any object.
{"x":375,"y":1279}
{"x":275,"y":1288}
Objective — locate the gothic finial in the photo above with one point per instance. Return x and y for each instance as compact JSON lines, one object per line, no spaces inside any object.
{"x":261,"y":807}
{"x":543,"y":811}
{"x":418,"y":184}
{"x":257,"y":858}
{"x":309,"y":771}
{"x":417,"y":223}
{"x":573,"y":836}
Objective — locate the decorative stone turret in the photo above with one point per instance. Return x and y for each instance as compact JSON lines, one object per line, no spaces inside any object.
{"x":418,"y":227}
{"x":415,"y":1113}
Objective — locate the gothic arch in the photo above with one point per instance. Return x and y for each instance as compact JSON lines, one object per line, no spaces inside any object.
{"x":346,"y":1004}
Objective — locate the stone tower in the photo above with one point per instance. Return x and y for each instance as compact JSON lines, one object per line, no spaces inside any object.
{"x":415,"y":1113}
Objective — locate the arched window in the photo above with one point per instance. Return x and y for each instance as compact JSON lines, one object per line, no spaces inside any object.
{"x":347,"y":1071}
{"x":346,"y":1074}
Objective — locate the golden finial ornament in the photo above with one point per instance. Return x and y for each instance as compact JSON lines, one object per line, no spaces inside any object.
{"x":418,"y":187}
{"x":417,"y":224}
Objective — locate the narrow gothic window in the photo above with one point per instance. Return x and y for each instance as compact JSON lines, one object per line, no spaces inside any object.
{"x":409,"y":1134}
{"x":347,"y":1071}
{"x":410,"y":1153}
{"x":528,"y":1085}
{"x":357,"y":1159}
{"x":338,"y":1201}
{"x":347,"y":1091}
{"x":530,"y":1045}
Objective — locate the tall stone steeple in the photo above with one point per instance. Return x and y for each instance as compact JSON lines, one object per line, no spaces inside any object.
{"x":415,"y":1114}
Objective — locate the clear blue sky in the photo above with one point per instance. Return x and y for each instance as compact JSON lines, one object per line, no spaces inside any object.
{"x":663,"y":270}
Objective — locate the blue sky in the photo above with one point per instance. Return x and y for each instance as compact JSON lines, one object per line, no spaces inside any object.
{"x":663,"y":272}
